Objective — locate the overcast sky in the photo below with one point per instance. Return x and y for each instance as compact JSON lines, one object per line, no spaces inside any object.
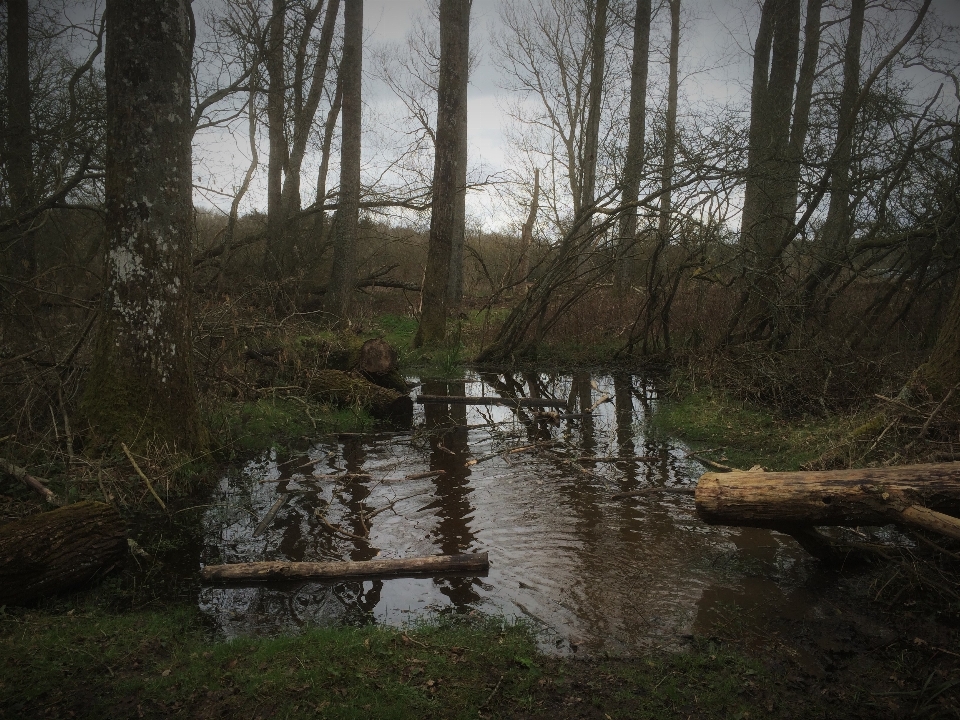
{"x":715,"y":67}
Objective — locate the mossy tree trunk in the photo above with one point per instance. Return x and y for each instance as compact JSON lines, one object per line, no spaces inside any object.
{"x":140,"y":387}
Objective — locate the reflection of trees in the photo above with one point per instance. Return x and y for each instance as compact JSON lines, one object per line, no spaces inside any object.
{"x":449,"y":452}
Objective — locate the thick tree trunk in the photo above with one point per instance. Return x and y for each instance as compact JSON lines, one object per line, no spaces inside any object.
{"x":343,"y":276}
{"x":670,"y":129}
{"x":449,"y":172}
{"x":44,"y":554}
{"x":346,"y":390}
{"x":19,"y":146}
{"x":633,"y":163}
{"x":869,"y":496}
{"x":276,"y":125}
{"x":140,"y":385}
{"x":457,"y":239}
{"x":476,"y":563}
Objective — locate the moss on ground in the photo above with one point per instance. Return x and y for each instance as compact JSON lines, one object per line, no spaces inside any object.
{"x":749,"y":435}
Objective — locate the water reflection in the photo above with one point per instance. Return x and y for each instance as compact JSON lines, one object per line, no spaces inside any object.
{"x":531,"y":488}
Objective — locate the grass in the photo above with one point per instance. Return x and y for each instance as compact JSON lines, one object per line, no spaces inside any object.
{"x":748,"y":435}
{"x":250,"y":426}
{"x":147,"y":664}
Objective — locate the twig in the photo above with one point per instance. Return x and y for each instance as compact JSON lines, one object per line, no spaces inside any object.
{"x":603,"y":398}
{"x":338,"y":530}
{"x":144,"y":477}
{"x":490,"y":696}
{"x":936,"y":410}
{"x":711,"y":463}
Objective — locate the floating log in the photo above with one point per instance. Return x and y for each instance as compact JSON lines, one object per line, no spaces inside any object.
{"x":347,"y":390}
{"x":54,"y":551}
{"x":462,"y":400}
{"x":925,"y":496}
{"x":477,"y":563}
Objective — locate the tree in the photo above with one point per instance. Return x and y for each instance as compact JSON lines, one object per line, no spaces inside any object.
{"x":633,"y":162}
{"x":670,"y":124}
{"x":343,"y":274}
{"x":450,"y":168}
{"x":140,"y":385}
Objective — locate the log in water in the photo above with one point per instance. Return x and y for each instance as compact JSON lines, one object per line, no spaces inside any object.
{"x":463,"y":400}
{"x":273,"y":571}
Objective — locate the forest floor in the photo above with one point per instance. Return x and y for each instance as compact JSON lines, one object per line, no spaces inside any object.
{"x":889,"y":647}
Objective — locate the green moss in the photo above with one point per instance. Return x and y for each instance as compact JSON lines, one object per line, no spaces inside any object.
{"x":749,"y":436}
{"x":261,"y":424}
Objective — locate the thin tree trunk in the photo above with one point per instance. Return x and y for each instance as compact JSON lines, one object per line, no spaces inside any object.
{"x":328,"y":128}
{"x":449,"y":173}
{"x":670,"y":129}
{"x":343,"y":277}
{"x":19,"y":150}
{"x":591,"y":141}
{"x":140,"y":385}
{"x":633,"y":164}
{"x":526,"y":233}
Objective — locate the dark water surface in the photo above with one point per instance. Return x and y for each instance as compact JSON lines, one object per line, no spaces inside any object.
{"x":594,"y":573}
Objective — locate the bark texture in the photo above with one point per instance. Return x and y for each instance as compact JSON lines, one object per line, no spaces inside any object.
{"x":868,"y":496}
{"x":449,"y":170}
{"x":276,"y":571}
{"x":343,"y":276}
{"x":44,"y":554}
{"x":670,"y":128}
{"x":636,"y":136}
{"x":140,"y":385}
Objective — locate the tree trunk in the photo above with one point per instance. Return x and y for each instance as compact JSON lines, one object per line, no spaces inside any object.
{"x":449,"y":173}
{"x":343,"y":276}
{"x":670,"y":128}
{"x":526,"y":232}
{"x":44,"y":554}
{"x":869,"y":496}
{"x":276,"y":126}
{"x":633,"y":164}
{"x":941,"y":372}
{"x":19,"y":150}
{"x":476,"y":564}
{"x":457,"y":239}
{"x":140,"y":384}
{"x":591,"y":136}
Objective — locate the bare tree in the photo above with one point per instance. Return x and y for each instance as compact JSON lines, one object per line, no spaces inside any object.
{"x":344,"y":272}
{"x":140,"y":386}
{"x":450,"y":168}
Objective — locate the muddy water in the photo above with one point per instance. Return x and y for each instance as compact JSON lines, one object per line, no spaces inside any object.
{"x":595,"y":574}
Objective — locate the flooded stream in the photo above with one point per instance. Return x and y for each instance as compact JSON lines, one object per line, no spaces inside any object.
{"x":594,"y":573}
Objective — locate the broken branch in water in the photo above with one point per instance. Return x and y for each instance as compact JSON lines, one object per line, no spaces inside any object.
{"x":271,"y":513}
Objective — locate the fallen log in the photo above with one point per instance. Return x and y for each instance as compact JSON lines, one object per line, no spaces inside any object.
{"x":401,"y":567}
{"x":54,"y":551}
{"x":347,"y":390}
{"x":514,"y":402}
{"x":921,"y":496}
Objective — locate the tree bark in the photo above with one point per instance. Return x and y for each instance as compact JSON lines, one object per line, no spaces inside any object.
{"x":343,"y":276}
{"x":591,"y":138}
{"x":526,"y":232}
{"x":140,"y":385}
{"x":477,"y":563}
{"x":457,"y":239}
{"x":670,"y":127}
{"x":868,"y":496}
{"x":44,"y":554}
{"x":449,"y":173}
{"x":19,"y":146}
{"x":276,"y":132}
{"x":633,"y":164}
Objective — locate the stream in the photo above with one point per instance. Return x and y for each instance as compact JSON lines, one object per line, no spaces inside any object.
{"x":592,"y":573}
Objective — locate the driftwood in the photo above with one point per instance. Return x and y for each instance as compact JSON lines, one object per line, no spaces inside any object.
{"x":918,"y":496}
{"x":347,"y":390}
{"x":513,"y":402}
{"x":54,"y":551}
{"x":29,"y":480}
{"x":273,"y":571}
{"x":271,"y":514}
